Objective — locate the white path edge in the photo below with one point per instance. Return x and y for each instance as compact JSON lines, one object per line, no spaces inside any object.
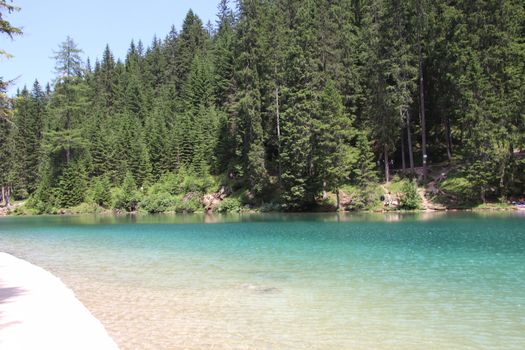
{"x":38,"y":311}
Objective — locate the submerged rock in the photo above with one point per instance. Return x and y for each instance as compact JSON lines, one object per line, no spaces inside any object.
{"x":260,"y":288}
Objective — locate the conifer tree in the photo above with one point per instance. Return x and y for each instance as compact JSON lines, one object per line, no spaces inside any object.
{"x":71,"y":185}
{"x":249,"y":134}
{"x":335,"y":158}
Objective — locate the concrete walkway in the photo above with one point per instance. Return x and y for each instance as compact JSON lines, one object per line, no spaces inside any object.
{"x":37,"y":311}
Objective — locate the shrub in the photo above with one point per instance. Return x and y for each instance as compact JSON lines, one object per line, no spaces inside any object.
{"x":183,"y":182}
{"x":362,"y":197}
{"x":84,"y":208}
{"x":158,"y":202}
{"x":459,"y":187}
{"x":410,"y":198}
{"x":229,"y":205}
{"x":270,"y":207}
{"x":193,"y":183}
{"x":127,"y":197}
{"x":188,"y":205}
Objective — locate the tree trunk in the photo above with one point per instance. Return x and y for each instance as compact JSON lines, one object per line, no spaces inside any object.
{"x":410,"y":150}
{"x":2,"y":195}
{"x":278,"y":122}
{"x":421,"y":90}
{"x":6,"y":193}
{"x":387,"y":169}
{"x":338,"y":200}
{"x":403,"y":162}
{"x":448,"y":140}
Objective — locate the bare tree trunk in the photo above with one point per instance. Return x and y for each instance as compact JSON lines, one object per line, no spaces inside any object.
{"x":448,"y":140}
{"x":278,"y":122}
{"x":68,"y":153}
{"x":2,"y":195}
{"x":387,"y":169}
{"x":403,"y":162}
{"x":410,"y":150}
{"x":6,"y":195}
{"x":338,"y":199}
{"x":421,"y":90}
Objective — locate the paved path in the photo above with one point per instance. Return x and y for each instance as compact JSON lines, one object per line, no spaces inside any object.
{"x":37,"y":311}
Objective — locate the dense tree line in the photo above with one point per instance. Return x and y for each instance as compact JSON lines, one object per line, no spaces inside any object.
{"x":288,"y":99}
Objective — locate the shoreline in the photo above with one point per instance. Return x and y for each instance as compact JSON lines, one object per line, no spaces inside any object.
{"x":118,"y":213}
{"x":38,"y":311}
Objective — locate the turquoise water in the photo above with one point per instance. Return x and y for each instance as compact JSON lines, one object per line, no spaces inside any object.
{"x":326,"y":281}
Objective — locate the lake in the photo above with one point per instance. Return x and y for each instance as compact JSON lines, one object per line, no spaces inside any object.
{"x":290,"y":281}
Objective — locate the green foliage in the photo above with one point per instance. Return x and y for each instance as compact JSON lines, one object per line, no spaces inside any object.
{"x":101,"y":191}
{"x":364,"y":172}
{"x":458,"y":187}
{"x":43,"y":199}
{"x":363,"y":197}
{"x":229,"y":205}
{"x":410,"y":198}
{"x":270,"y":207}
{"x":158,"y":202}
{"x":84,"y":208}
{"x":283,"y":100}
{"x":128,"y":196}
{"x":71,"y":186}
{"x":188,"y":204}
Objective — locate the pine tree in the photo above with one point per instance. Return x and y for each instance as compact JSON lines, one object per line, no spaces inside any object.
{"x":101,"y":187}
{"x":249,"y":134}
{"x":334,"y":158}
{"x":299,"y":106}
{"x":68,"y":103}
{"x":71,"y":185}
{"x":223,"y":55}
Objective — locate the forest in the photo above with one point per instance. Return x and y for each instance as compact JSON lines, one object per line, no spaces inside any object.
{"x":276,"y":105}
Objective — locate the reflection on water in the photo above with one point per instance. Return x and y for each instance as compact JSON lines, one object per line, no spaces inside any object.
{"x":294,"y":281}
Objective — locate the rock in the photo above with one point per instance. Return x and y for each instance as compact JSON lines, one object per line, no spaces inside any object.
{"x":344,"y":199}
{"x":260,"y":288}
{"x":209,"y":201}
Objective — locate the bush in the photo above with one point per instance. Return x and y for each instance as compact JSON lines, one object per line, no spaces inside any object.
{"x":188,"y":205}
{"x":229,"y":205}
{"x":459,"y":187}
{"x":193,"y":183}
{"x":127,"y":197}
{"x":158,"y":202}
{"x":24,"y":210}
{"x":270,"y":207}
{"x":362,"y":197}
{"x":128,"y":201}
{"x":183,"y":182}
{"x":410,"y":198}
{"x":84,"y":208}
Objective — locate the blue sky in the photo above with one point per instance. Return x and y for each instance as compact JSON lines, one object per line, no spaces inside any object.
{"x":92,"y":24}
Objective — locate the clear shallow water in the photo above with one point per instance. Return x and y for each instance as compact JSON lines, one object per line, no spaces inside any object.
{"x":415,"y":281}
